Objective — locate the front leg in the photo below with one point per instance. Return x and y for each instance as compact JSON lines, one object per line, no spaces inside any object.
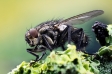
{"x":33,"y":52}
{"x":48,"y":41}
{"x":52,"y":35}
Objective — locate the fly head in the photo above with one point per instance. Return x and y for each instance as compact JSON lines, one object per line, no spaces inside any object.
{"x":31,"y":37}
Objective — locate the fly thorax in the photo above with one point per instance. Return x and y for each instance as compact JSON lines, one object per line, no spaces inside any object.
{"x":43,"y":29}
{"x":62,"y":27}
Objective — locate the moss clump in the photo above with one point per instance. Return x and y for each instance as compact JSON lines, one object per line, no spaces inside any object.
{"x":69,"y":61}
{"x":105,"y":58}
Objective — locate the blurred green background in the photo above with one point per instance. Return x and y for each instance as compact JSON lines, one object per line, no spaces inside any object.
{"x":16,"y":16}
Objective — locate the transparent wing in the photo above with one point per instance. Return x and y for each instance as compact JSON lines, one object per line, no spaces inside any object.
{"x":81,"y":18}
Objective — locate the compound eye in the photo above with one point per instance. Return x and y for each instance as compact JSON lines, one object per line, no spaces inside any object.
{"x":33,"y":33}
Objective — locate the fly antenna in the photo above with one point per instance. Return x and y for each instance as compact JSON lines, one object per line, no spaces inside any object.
{"x":27,"y":29}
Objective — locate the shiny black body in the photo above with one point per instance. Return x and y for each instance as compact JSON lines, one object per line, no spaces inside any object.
{"x":56,"y":33}
{"x":101,"y":32}
{"x":60,"y":37}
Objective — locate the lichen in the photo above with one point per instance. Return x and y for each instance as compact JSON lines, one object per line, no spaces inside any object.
{"x":60,"y":62}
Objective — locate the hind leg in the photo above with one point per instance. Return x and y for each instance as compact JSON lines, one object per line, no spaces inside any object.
{"x":80,"y":34}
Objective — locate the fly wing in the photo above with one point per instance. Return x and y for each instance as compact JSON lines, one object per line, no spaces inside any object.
{"x":82,"y":18}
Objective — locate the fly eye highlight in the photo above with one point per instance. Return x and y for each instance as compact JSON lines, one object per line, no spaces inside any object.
{"x":33,"y":33}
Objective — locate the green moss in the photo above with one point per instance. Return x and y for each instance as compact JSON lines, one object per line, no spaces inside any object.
{"x":60,"y":62}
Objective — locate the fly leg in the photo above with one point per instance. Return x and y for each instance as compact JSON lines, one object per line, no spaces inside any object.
{"x":40,"y":49}
{"x":63,"y":35}
{"x":69,"y":34}
{"x":79,"y":45}
{"x":48,"y":41}
{"x":63,"y":47}
{"x":53,"y":35}
{"x":66,"y":31}
{"x":79,"y":32}
{"x":33,"y":52}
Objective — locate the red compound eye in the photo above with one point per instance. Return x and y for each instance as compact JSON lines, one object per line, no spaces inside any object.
{"x":33,"y":32}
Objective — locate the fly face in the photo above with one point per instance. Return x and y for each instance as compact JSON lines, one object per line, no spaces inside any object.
{"x":31,"y":37}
